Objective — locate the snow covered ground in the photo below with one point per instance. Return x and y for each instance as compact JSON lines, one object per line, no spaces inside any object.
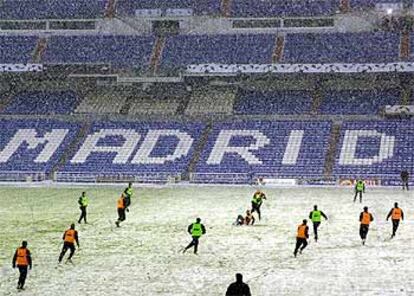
{"x":142,"y":258}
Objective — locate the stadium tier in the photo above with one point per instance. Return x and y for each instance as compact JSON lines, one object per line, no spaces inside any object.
{"x":144,"y":150}
{"x":51,"y":9}
{"x":120,"y":51}
{"x":341,"y":48}
{"x":276,"y":102}
{"x":33,"y":145}
{"x":40,"y":102}
{"x":347,"y":102}
{"x":182,"y":50}
{"x":376,"y":148}
{"x":17,"y":49}
{"x":235,"y":152}
{"x":251,"y":8}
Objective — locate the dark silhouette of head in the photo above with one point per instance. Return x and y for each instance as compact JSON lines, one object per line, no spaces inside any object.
{"x":315,"y":207}
{"x":305,"y":221}
{"x":365,"y":209}
{"x":198,"y":220}
{"x":72,"y":226}
{"x":83,"y":193}
{"x":24,"y":244}
{"x":396,"y":205}
{"x":130,"y":184}
{"x":239,"y":277}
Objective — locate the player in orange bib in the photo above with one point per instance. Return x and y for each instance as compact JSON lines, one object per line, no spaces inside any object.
{"x":22,"y":259}
{"x":69,"y":238}
{"x":301,"y":237}
{"x":396,"y":215}
{"x":365,"y":218}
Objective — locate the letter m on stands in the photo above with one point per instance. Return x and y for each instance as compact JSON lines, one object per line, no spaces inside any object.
{"x":30,"y":138}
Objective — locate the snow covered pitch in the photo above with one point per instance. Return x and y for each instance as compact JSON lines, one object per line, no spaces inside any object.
{"x":142,"y":257}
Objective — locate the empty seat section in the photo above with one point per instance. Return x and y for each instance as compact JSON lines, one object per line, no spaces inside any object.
{"x":51,"y":9}
{"x":33,"y":145}
{"x":347,"y":102}
{"x":101,"y":103}
{"x":341,"y":48}
{"x":273,"y":102}
{"x":151,"y":106}
{"x":183,"y":50}
{"x":120,"y":51}
{"x":116,"y":148}
{"x":376,"y":149}
{"x":272,"y":8}
{"x":276,"y":149}
{"x":211,"y":101}
{"x":41,"y":102}
{"x":17,"y":49}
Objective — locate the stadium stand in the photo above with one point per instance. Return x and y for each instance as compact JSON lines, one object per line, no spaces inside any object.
{"x":41,"y":102}
{"x":211,"y":100}
{"x":273,"y":102}
{"x":17,"y":49}
{"x":51,"y":9}
{"x":33,"y":145}
{"x":272,"y":8}
{"x":341,"y":47}
{"x":265,"y":148}
{"x":111,"y":149}
{"x":102,"y":102}
{"x":366,"y":4}
{"x":374,"y":149}
{"x":182,"y":50}
{"x":357,"y":101}
{"x":120,"y":51}
{"x":151,"y":106}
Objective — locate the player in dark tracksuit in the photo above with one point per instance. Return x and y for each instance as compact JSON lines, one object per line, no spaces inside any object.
{"x":238,"y":288}
{"x":396,"y":215}
{"x":196,"y":230}
{"x":315,"y":216}
{"x":301,"y":238}
{"x":22,"y":259}
{"x":404,"y":179}
{"x":359,"y":189}
{"x":365,"y":218}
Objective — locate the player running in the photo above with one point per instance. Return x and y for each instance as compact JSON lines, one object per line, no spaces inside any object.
{"x":69,"y":238}
{"x":128,"y":193}
{"x":316,"y":217}
{"x":301,"y":238}
{"x":196,"y":230}
{"x":365,"y":218}
{"x":396,"y":215}
{"x":257,"y":201}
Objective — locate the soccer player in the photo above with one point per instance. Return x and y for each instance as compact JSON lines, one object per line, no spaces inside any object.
{"x":83,"y":202}
{"x":238,"y":288}
{"x":359,"y":189}
{"x":128,"y":193}
{"x":396,"y":215}
{"x":257,"y":201}
{"x":122,"y":207}
{"x":69,"y":238}
{"x":365,"y":218}
{"x":196,"y":230}
{"x":249,"y":219}
{"x":239,"y":221}
{"x":316,"y":217}
{"x":301,"y":237}
{"x":404,"y":179}
{"x":22,"y":259}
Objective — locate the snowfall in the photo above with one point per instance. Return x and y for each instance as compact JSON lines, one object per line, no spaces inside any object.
{"x":143,"y":256}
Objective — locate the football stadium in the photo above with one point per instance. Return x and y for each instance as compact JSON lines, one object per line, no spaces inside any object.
{"x":206,"y":147}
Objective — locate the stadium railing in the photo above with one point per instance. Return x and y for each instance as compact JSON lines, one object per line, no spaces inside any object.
{"x":153,"y":177}
{"x":16,"y":176}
